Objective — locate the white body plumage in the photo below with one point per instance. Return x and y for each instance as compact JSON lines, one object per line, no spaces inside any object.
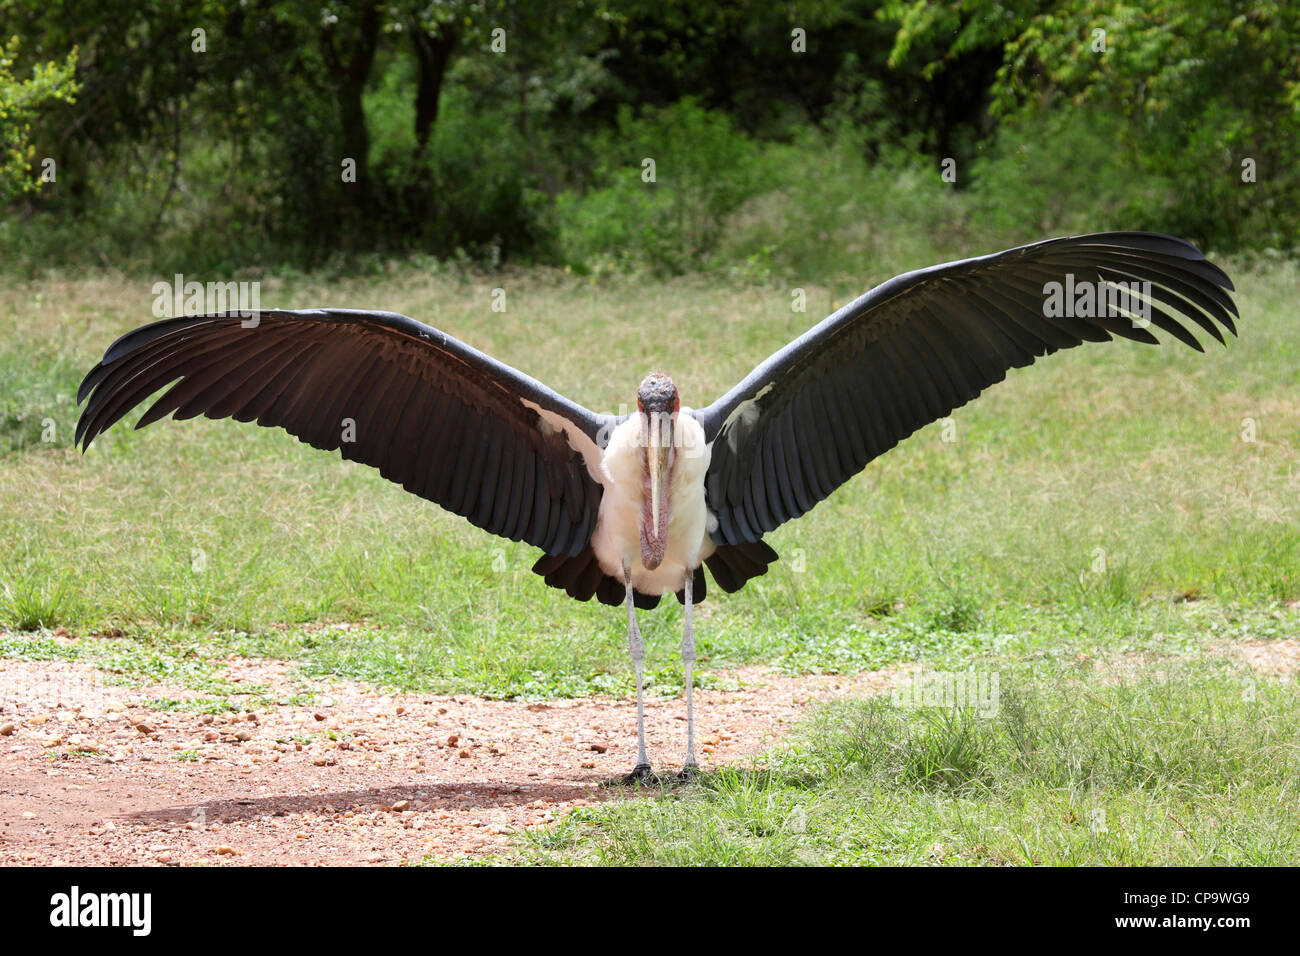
{"x":617,"y":538}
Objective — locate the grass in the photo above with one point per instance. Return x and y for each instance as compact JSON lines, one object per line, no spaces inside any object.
{"x":1103,"y":502}
{"x":1099,"y":486}
{"x":1198,"y":766}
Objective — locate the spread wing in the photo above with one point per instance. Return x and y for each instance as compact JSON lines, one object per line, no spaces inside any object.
{"x":438,"y":417}
{"x":923,"y":343}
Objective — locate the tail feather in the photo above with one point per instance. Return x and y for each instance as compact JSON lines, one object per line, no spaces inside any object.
{"x":581,"y":577}
{"x":699,"y":588}
{"x":733,"y":564}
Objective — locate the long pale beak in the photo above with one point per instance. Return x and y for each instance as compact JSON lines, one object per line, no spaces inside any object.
{"x":654,"y":512}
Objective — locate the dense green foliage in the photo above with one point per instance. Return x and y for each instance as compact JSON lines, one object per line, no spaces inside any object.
{"x":1200,"y":98}
{"x":208,"y":136}
{"x":20,"y":99}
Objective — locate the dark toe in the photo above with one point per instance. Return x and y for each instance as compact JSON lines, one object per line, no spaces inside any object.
{"x":641,"y":773}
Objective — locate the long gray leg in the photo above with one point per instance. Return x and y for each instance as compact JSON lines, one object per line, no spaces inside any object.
{"x":688,"y":658}
{"x":637,"y":649}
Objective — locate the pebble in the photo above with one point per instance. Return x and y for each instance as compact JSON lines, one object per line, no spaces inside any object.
{"x":225,"y":851}
{"x":402,"y":805}
{"x":6,"y":729}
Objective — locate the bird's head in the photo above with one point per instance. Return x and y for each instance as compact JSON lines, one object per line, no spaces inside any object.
{"x":657,"y":406}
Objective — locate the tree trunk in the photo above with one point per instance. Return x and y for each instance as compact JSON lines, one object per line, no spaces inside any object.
{"x":432,"y":54}
{"x":350,"y":76}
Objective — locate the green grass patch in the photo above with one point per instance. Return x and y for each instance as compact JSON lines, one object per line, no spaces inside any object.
{"x":1196,"y":765}
{"x":197,"y":705}
{"x":1081,"y":504}
{"x":1104,"y":480}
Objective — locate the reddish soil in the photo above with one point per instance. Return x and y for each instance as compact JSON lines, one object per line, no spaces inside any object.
{"x":91,"y":777}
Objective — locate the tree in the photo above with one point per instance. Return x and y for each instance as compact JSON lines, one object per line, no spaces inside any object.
{"x":1202,"y":96}
{"x":20,"y":102}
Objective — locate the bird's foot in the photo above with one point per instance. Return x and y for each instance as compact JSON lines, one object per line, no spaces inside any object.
{"x":641,"y":773}
{"x":689,"y":772}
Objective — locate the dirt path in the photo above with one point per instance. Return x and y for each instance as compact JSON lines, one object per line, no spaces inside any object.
{"x":89,"y":776}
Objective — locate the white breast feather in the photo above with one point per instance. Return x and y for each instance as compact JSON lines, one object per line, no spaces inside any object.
{"x":618,"y":530}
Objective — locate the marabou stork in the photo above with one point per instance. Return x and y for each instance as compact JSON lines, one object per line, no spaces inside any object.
{"x":629,"y":508}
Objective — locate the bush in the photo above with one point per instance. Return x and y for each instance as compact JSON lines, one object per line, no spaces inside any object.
{"x":470,"y":191}
{"x":704,"y":169}
{"x":1053,"y":173}
{"x":836,"y":213}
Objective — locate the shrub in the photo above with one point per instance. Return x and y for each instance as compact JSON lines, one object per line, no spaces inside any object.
{"x":704,"y":169}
